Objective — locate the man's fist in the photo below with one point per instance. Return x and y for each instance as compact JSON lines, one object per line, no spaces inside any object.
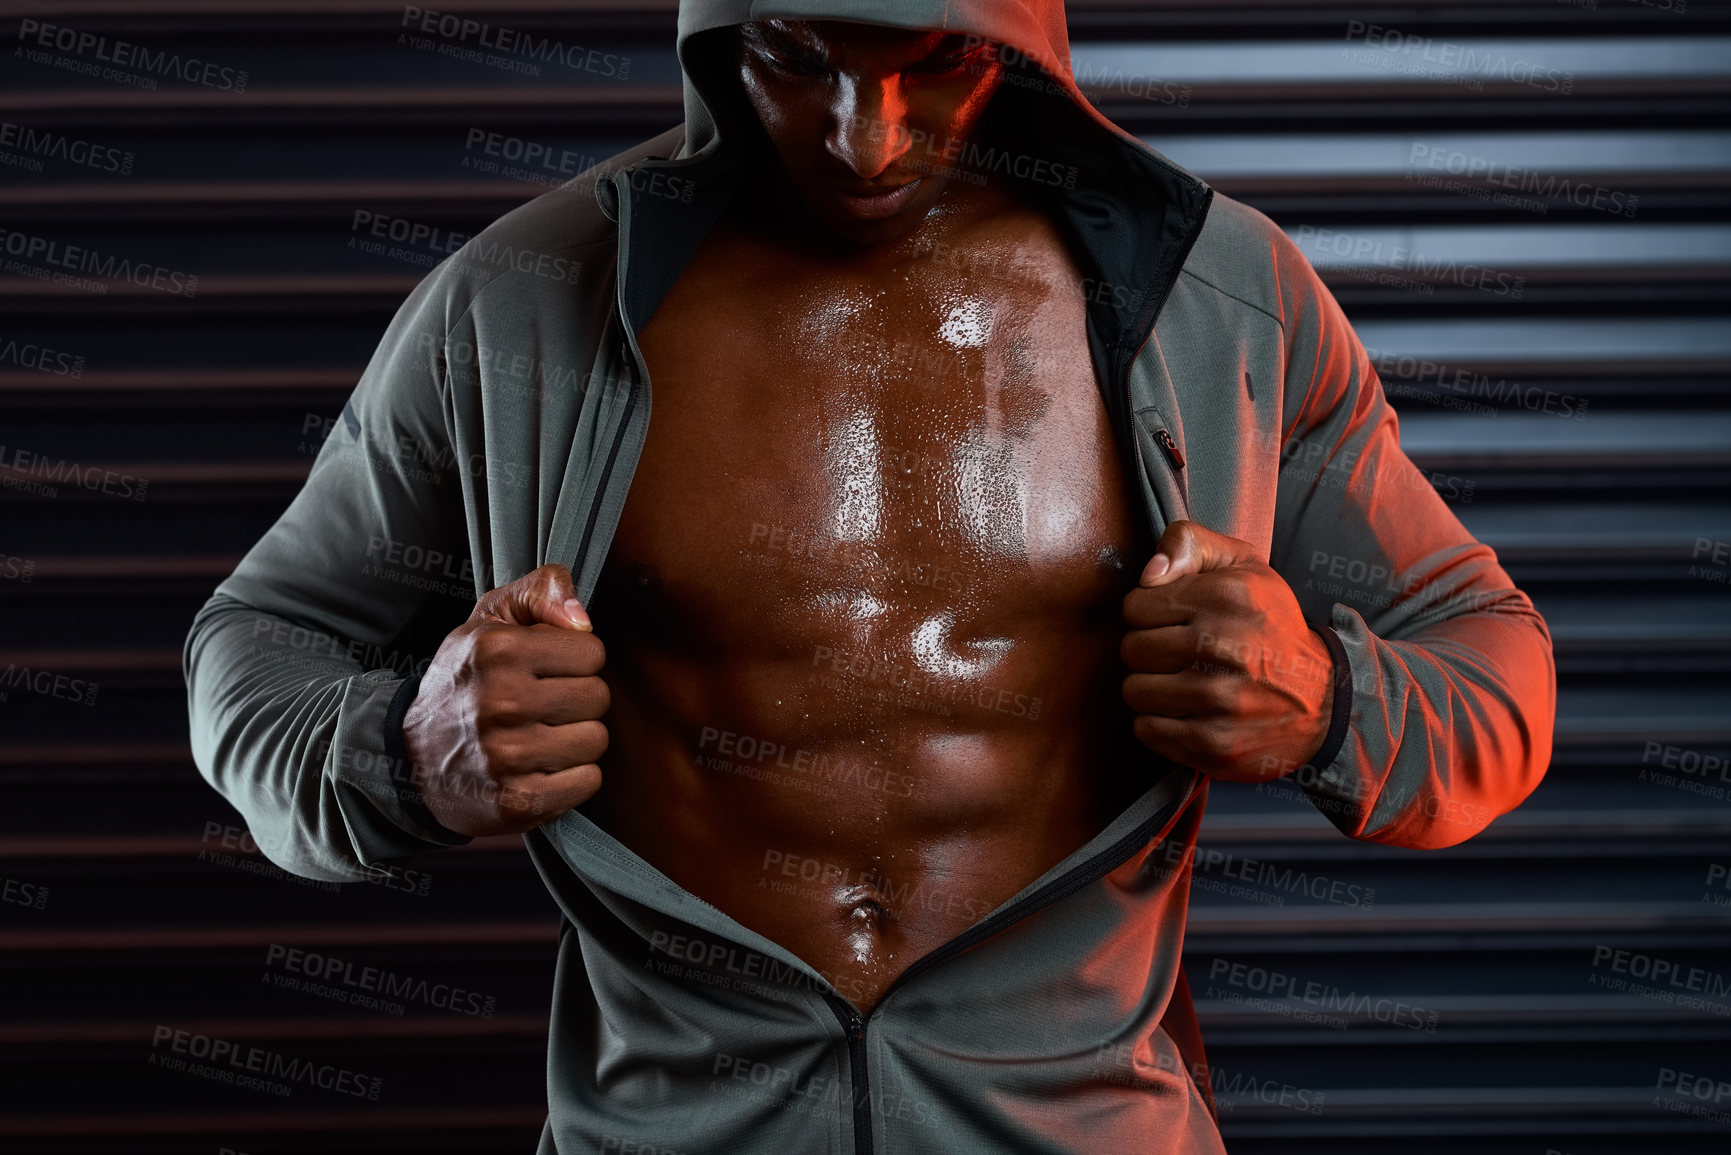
{"x":1226,"y":676}
{"x":504,"y":733}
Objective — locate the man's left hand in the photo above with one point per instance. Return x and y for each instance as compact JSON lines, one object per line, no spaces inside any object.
{"x":1226,"y":676}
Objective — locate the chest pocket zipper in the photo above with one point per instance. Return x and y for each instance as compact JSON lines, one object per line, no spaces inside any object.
{"x":1163,"y":464}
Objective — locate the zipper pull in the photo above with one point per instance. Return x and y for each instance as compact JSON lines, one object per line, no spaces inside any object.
{"x":855,"y":1028}
{"x":1164,"y":438}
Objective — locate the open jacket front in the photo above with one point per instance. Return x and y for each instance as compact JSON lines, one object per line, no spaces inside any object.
{"x":497,"y":428}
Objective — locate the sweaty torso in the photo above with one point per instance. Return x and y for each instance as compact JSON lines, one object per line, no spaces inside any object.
{"x":862,"y":607}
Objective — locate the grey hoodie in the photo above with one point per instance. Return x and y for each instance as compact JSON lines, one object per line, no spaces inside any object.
{"x":497,"y":428}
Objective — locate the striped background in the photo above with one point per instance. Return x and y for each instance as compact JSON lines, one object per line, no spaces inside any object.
{"x":1522,"y":207}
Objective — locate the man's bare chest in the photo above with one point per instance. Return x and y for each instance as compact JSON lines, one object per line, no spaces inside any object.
{"x":898,"y":443}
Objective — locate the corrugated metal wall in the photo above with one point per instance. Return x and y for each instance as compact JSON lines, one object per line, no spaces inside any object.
{"x":1522,"y":207}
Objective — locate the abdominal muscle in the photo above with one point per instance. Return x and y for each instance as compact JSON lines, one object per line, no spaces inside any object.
{"x":830,"y":816}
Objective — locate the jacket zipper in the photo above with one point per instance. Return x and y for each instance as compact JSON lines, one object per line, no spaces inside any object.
{"x":854,"y":1025}
{"x":1163,"y":437}
{"x":1061,"y":887}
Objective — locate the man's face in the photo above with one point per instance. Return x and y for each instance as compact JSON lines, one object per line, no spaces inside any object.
{"x":862,"y":115}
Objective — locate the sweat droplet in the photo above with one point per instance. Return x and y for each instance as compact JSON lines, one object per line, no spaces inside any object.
{"x":968,"y":325}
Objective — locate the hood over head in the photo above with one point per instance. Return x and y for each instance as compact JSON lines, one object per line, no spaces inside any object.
{"x":1035,"y":29}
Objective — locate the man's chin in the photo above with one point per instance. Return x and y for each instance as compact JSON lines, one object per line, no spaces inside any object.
{"x":845,"y":218}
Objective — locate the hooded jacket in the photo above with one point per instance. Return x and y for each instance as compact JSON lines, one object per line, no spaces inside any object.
{"x":496,"y":429}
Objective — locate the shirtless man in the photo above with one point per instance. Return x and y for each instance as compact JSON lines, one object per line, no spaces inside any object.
{"x":917,"y":662}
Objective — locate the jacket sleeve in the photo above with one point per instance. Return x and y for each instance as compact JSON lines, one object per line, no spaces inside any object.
{"x":1445,"y":686}
{"x":301,"y":664}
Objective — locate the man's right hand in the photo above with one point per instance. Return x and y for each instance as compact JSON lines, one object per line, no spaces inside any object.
{"x":504,"y":733}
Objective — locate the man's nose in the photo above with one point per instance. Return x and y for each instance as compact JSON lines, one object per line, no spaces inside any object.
{"x":870,"y":132}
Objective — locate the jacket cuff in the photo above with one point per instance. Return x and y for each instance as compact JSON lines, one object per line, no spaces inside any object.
{"x":1319,"y":775}
{"x":380,"y":800}
{"x":413,"y":803}
{"x":397,"y":710}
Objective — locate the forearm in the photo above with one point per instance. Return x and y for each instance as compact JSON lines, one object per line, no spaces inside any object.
{"x":293,"y":732}
{"x":1449,"y":727}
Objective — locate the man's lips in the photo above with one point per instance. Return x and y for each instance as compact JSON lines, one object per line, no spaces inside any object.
{"x":873,"y":206}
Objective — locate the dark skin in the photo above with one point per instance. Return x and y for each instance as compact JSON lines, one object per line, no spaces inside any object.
{"x":878,"y":580}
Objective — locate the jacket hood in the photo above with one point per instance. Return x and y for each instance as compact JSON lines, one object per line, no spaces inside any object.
{"x":1036,"y":29}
